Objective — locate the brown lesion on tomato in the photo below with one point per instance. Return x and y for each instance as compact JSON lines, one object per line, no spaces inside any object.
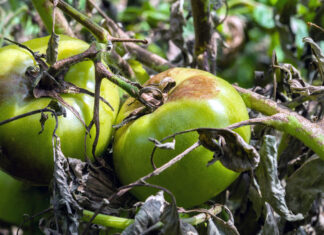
{"x":197,"y":87}
{"x":159,"y":77}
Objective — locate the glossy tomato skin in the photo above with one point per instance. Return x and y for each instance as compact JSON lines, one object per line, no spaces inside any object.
{"x":198,"y":100}
{"x":18,"y":199}
{"x":26,"y":154}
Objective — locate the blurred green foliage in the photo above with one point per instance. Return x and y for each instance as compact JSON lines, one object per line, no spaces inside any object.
{"x":16,"y":16}
{"x":269,"y":25}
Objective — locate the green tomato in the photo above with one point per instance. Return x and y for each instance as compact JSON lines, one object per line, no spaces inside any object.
{"x":26,"y":154}
{"x":199,"y":100}
{"x":18,"y":199}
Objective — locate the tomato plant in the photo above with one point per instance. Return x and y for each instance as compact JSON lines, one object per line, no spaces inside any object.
{"x":199,"y":100}
{"x":26,"y":154}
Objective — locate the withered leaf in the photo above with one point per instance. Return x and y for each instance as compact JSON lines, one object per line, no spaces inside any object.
{"x":148,"y":215}
{"x":305,"y":185}
{"x":57,"y":107}
{"x":156,"y":210}
{"x":230,"y":148}
{"x":267,"y":175}
{"x":173,"y":225}
{"x":318,"y":54}
{"x":52,"y":49}
{"x":66,"y":208}
{"x":271,"y":224}
{"x":42,"y":120}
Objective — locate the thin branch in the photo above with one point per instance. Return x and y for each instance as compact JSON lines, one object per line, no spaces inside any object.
{"x":99,"y":32}
{"x":26,"y":115}
{"x":301,"y":99}
{"x":159,"y":170}
{"x":151,"y":60}
{"x":284,"y":119}
{"x":146,"y":57}
{"x":90,"y":53}
{"x":315,"y":25}
{"x":126,"y":69}
{"x":118,"y":80}
{"x":45,"y":9}
{"x":96,"y":113}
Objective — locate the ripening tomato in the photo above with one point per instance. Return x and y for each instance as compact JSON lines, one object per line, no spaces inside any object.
{"x":199,"y":99}
{"x":26,"y":154}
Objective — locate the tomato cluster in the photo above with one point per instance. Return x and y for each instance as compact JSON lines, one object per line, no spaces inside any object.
{"x":199,"y":99}
{"x":26,"y":154}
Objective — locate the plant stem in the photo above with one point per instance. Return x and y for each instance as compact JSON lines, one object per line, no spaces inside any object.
{"x":107,"y":220}
{"x":201,"y":13}
{"x":100,"y":33}
{"x":118,"y":80}
{"x":311,"y":134}
{"x":151,"y":60}
{"x":45,"y":10}
{"x":284,"y":119}
{"x":91,"y":53}
{"x":122,"y":223}
{"x":260,"y":103}
{"x":203,"y":31}
{"x":202,"y":217}
{"x":146,"y":57}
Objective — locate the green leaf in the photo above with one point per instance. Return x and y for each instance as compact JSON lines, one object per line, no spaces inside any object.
{"x":273,"y":2}
{"x":321,"y":44}
{"x":275,"y":45}
{"x":299,"y":27}
{"x":263,"y":15}
{"x":314,"y":3}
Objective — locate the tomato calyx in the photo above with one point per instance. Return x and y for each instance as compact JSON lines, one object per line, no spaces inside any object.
{"x":151,"y":97}
{"x":155,"y":95}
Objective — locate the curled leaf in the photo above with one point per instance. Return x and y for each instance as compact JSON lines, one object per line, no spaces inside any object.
{"x":218,"y":226}
{"x":148,"y":215}
{"x":156,"y":214}
{"x":150,"y":98}
{"x":57,"y":107}
{"x":42,"y":120}
{"x":230,"y":148}
{"x":303,"y":88}
{"x":267,"y":176}
{"x":173,"y":225}
{"x":317,"y":51}
{"x":52,"y":49}
{"x":66,"y":208}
